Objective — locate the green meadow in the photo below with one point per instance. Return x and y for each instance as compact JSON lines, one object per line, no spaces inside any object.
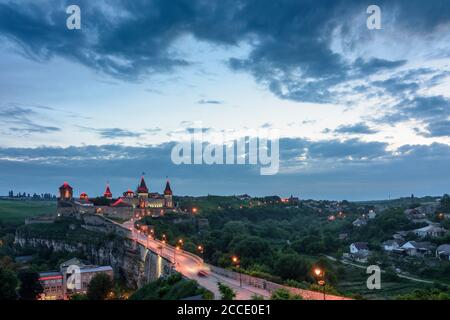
{"x":16,"y":211}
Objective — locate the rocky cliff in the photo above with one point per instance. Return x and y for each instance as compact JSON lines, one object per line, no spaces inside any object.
{"x":110,"y":250}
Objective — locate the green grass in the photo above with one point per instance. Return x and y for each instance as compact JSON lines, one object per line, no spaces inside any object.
{"x":354,"y":282}
{"x":16,"y":211}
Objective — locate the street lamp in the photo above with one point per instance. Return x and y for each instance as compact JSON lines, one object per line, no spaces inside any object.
{"x":235,"y":261}
{"x":200,"y":250}
{"x":177,"y":248}
{"x":320,"y":276}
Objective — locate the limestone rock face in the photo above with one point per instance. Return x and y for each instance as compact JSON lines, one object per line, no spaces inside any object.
{"x":134,"y":263}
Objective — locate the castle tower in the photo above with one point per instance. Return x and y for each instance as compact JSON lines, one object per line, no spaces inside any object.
{"x":168,"y":196}
{"x":129,"y":194}
{"x":142,"y":189}
{"x":84,"y":196}
{"x":108,"y":194}
{"x":65,"y":192}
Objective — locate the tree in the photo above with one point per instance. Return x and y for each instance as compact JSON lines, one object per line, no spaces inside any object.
{"x":8,"y":284}
{"x":292,"y":266}
{"x":30,"y":287}
{"x":445,"y":203}
{"x":78,"y":297}
{"x":284,"y":294}
{"x":226,"y":292}
{"x":99,"y":287}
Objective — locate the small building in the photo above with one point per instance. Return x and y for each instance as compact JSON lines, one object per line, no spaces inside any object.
{"x":372,"y":214}
{"x":359,"y":247}
{"x":77,"y":275}
{"x":443,"y":252}
{"x":53,"y":285}
{"x":417,"y":249}
{"x":391,"y":245}
{"x":430,"y":231}
{"x":415,"y":215}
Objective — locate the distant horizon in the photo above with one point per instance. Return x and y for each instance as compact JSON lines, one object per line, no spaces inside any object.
{"x":239,"y":194}
{"x":358,"y":112}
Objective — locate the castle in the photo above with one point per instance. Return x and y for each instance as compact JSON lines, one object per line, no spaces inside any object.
{"x":130,"y":204}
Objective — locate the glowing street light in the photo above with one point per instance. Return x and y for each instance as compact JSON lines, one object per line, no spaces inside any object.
{"x":235,"y":261}
{"x":194,"y":210}
{"x":320,"y":276}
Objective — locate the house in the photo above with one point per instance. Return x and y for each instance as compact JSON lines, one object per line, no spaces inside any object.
{"x":372,"y":214}
{"x":359,"y":247}
{"x":74,"y":276}
{"x":359,"y":222}
{"x":430,"y":231}
{"x":391,"y":245}
{"x":414,"y":215}
{"x":443,"y":252}
{"x":428,"y":209}
{"x":417,"y":249}
{"x":52,"y":285}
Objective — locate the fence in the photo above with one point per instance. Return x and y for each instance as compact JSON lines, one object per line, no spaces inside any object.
{"x":271,"y":286}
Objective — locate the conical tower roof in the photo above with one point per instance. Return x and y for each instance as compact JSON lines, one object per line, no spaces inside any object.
{"x":167,"y":190}
{"x":142,"y":186}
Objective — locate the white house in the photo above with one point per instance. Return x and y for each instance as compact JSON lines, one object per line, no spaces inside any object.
{"x":443,"y":252}
{"x":430,"y":231}
{"x":359,"y":247}
{"x":391,"y":245}
{"x":372,"y":214}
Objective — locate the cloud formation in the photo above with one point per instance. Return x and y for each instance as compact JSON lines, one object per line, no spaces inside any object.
{"x":22,"y":120}
{"x":291,"y":41}
{"x":357,"y":128}
{"x":324,"y":169}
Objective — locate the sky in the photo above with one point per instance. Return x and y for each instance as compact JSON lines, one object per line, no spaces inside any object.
{"x":361,"y":114}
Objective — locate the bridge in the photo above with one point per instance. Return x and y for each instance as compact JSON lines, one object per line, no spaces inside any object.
{"x":189,"y":265}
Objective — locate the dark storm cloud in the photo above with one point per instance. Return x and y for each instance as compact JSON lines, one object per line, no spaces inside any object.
{"x":290,"y":40}
{"x":357,"y":128}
